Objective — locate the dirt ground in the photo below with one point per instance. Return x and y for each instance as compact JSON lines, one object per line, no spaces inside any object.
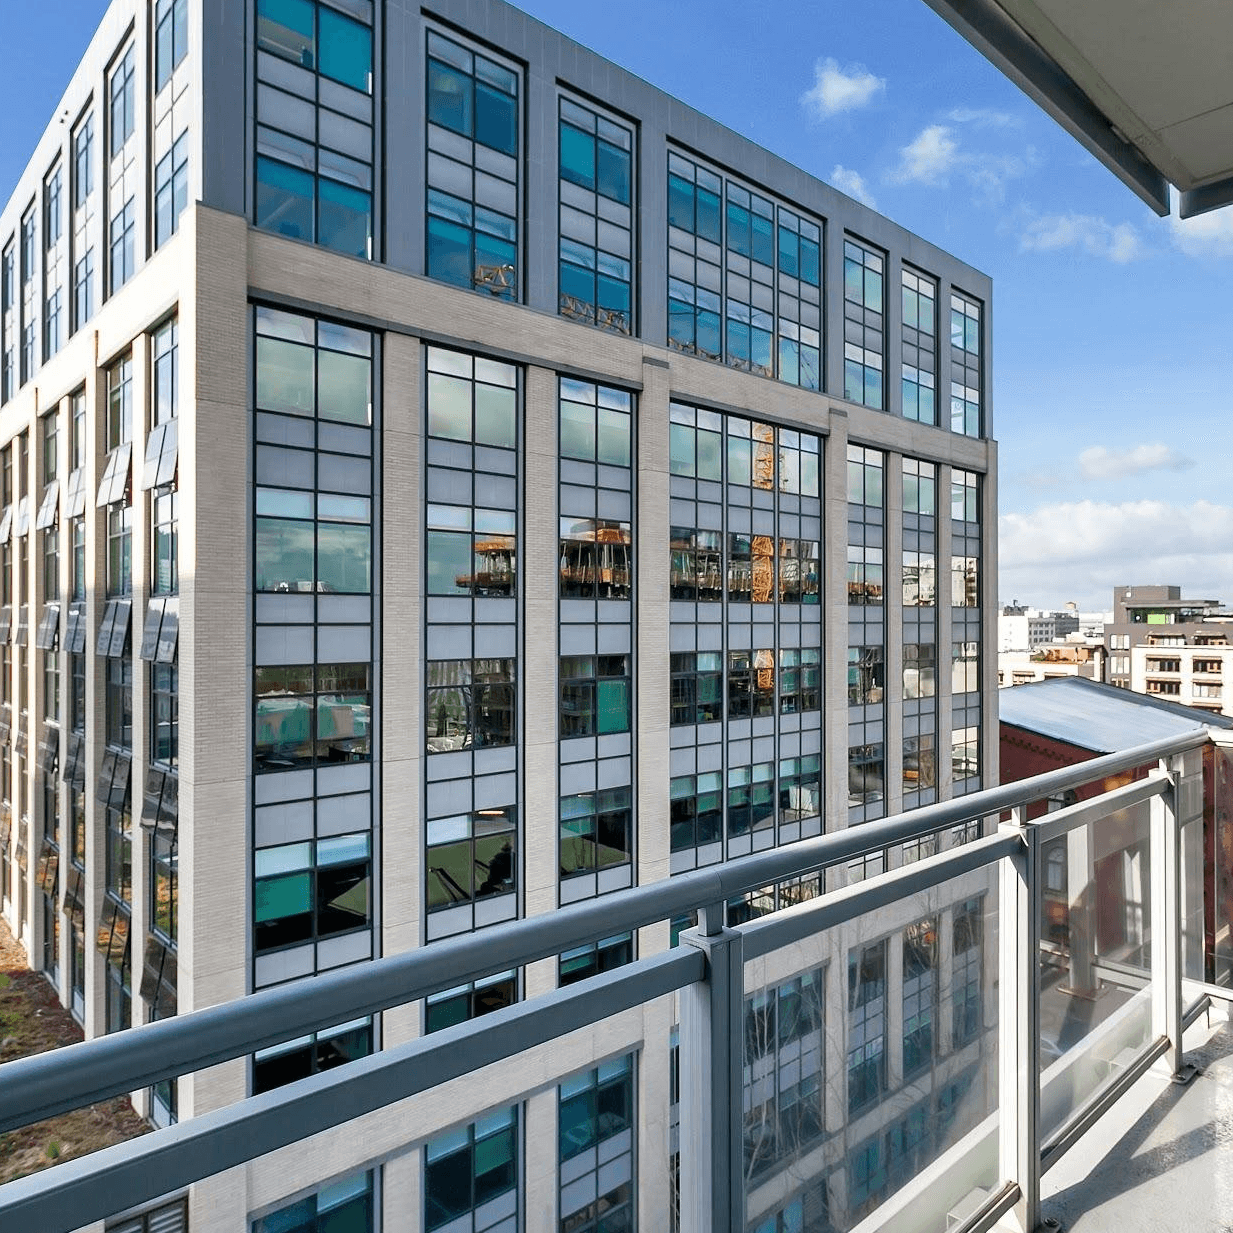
{"x":32,"y":1021}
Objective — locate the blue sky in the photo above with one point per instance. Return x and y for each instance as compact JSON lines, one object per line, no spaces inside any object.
{"x":1111,"y":326}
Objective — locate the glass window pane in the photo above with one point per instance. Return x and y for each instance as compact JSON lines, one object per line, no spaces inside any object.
{"x":577,"y":156}
{"x":577,"y":430}
{"x":344,"y":558}
{"x":449,"y":252}
{"x":613,"y":438}
{"x":284,"y":555}
{"x":612,"y":706}
{"x":449,"y":563}
{"x":343,"y":388}
{"x":449,"y":407}
{"x":346,"y":50}
{"x":496,"y":119}
{"x":449,"y":97}
{"x":496,"y":416}
{"x":613,"y":172}
{"x":345,"y":218}
{"x":284,"y":199}
{"x":284,"y":377}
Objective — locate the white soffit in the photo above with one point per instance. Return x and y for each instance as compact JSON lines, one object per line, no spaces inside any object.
{"x":1146,"y":85}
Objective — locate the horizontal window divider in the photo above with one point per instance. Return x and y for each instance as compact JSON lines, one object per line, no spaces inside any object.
{"x":131,"y":1173}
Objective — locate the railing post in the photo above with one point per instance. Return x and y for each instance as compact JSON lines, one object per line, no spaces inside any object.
{"x":1019,"y":1025}
{"x":711,"y":1060}
{"x":1166,"y":872}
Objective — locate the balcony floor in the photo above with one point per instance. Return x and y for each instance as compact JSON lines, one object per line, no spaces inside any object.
{"x":1162,"y":1157}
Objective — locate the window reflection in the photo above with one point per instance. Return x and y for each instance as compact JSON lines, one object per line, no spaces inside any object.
{"x":595,"y":559}
{"x":470,"y":704}
{"x":471,"y":857}
{"x":306,"y":716}
{"x":596,"y":831}
{"x":595,"y":695}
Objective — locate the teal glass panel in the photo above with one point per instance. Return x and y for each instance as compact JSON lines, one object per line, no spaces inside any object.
{"x":789,"y":253}
{"x":495,"y":1166}
{"x":680,"y":203}
{"x":709,"y":226}
{"x":789,"y":361}
{"x":810,"y":262}
{"x":681,"y":323}
{"x":344,"y":387}
{"x":971,"y":334}
{"x":708,"y":333}
{"x":344,"y":218}
{"x":681,"y":450}
{"x":738,"y":230}
{"x":496,"y":119}
{"x":853,"y":281}
{"x":284,"y":199}
{"x":853,"y":380}
{"x":493,"y":254}
{"x":449,"y":252}
{"x":449,"y":97}
{"x":739,"y":461}
{"x":285,"y":27}
{"x":577,"y":283}
{"x":449,"y":562}
{"x":612,"y":703}
{"x":289,"y":895}
{"x":873,"y":290}
{"x":577,"y":1125}
{"x":763,"y":239}
{"x":346,"y":50}
{"x":577,"y":156}
{"x":613,"y":172}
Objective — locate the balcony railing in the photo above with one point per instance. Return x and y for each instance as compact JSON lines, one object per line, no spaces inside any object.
{"x":1088,"y":919}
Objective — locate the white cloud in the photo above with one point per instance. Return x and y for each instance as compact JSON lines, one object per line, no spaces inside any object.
{"x":837,"y":89}
{"x":981,"y":117}
{"x":929,"y":157}
{"x":1100,"y":463}
{"x":934,"y":155}
{"x":1081,"y":550}
{"x":1209,"y":235}
{"x":1049,"y":233}
{"x":853,"y":183}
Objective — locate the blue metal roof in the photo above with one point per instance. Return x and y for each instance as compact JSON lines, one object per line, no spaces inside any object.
{"x":1098,"y":717}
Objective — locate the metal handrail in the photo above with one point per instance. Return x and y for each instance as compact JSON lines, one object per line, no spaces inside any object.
{"x":42,"y":1086}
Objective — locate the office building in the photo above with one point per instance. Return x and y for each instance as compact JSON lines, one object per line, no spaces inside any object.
{"x":445,"y":479}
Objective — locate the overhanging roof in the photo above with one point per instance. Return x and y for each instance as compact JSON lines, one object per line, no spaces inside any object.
{"x":1145,"y":85}
{"x":1098,"y":717}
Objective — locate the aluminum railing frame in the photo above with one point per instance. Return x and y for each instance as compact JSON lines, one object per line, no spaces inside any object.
{"x":707,"y":968}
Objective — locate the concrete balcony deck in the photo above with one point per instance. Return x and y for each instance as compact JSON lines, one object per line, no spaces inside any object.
{"x":1162,"y":1157}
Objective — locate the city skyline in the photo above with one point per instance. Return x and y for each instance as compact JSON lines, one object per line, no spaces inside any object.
{"x":1103,"y":313}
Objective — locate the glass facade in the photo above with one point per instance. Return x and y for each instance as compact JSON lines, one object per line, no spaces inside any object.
{"x":314,"y":686}
{"x":965,"y":352}
{"x":315,"y":124}
{"x":864,"y":330}
{"x":473,"y":169}
{"x":595,"y":273}
{"x":595,"y":1131}
{"x":919,"y":365}
{"x":472,"y":1176}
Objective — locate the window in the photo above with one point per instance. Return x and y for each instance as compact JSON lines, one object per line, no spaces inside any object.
{"x":314,"y":168}
{"x":965,"y":673}
{"x":165,"y":714}
{"x":169,"y":1218}
{"x":964,"y":582}
{"x":470,"y":1001}
{"x":472,"y":1168}
{"x":863,"y":309}
{"x":583,"y":962}
{"x":920,"y":992}
{"x":783,"y":1068}
{"x":170,"y":39}
{"x":966,"y":978}
{"x":120,"y":854}
{"x":122,"y":240}
{"x":53,"y":222}
{"x":170,"y":187}
{"x":312,"y":715}
{"x":963,"y":493}
{"x":919,"y":762}
{"x":164,"y":574}
{"x":596,"y":831}
{"x":472,"y":399}
{"x":344,"y":1206}
{"x":697,"y":687}
{"x":595,"y":1123}
{"x":473,"y":169}
{"x":83,"y":161}
{"x":119,"y":550}
{"x":920,"y":347}
{"x":696,"y":565}
{"x":311,"y":1055}
{"x":866,"y":675}
{"x":751,"y":798}
{"x":866,"y":774}
{"x":472,"y":862}
{"x":695,"y":232}
{"x":965,"y":351}
{"x":751,"y":684}
{"x":748,"y":317}
{"x":696,"y":810}
{"x":83,"y":289}
{"x":965,"y":753}
{"x":695,"y":442}
{"x":596,"y":242}
{"x":866,"y":1025}
{"x":470,"y":704}
{"x":123,"y":114}
{"x":799,"y":300}
{"x":120,"y":402}
{"x":309,"y":890}
{"x":919,"y":670}
{"x":595,"y":695}
{"x":119,"y":702}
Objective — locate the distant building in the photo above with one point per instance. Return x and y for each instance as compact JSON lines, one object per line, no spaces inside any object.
{"x":1025,"y":629}
{"x":1057,"y":659}
{"x":1147,"y":619}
